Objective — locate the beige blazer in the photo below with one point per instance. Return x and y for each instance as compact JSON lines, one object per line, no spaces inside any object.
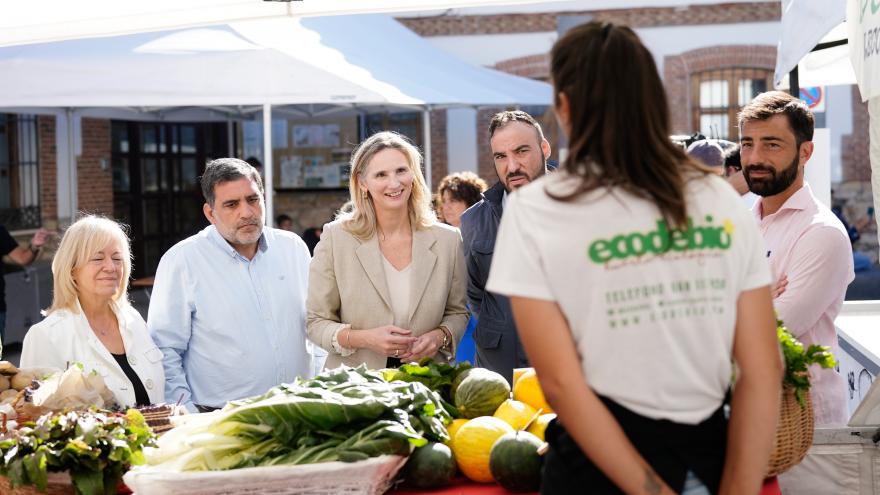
{"x":347,"y":287}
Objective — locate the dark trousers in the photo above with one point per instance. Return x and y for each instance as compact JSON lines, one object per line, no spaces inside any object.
{"x":672,"y":449}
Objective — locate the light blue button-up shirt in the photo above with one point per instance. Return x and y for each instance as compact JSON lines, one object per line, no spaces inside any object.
{"x":230,"y":327}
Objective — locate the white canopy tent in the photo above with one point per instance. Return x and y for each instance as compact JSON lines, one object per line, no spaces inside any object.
{"x":55,"y":20}
{"x":252,"y":65}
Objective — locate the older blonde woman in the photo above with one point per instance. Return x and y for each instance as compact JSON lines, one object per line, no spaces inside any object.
{"x":90,"y":320}
{"x":387,"y":282}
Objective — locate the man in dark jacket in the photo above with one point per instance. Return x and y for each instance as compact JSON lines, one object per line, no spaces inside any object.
{"x":520,"y":153}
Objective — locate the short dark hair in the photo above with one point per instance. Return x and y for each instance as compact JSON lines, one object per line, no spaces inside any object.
{"x":732,"y":160}
{"x":772,"y":103}
{"x":282,"y":218}
{"x":224,"y":170}
{"x":462,"y":186}
{"x":501,"y":119}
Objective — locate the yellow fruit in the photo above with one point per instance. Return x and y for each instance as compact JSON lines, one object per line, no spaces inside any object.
{"x":515,"y":413}
{"x":528,"y":390}
{"x":452,"y":428}
{"x":539,"y":426}
{"x":472,"y":444}
{"x":518,"y":372}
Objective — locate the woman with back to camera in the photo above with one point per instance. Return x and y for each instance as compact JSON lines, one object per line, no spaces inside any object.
{"x":387,"y":282}
{"x":636,"y":275}
{"x":91,"y":321}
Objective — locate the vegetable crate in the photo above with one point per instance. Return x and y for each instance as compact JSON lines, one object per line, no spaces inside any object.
{"x":373,"y":476}
{"x":58,"y":484}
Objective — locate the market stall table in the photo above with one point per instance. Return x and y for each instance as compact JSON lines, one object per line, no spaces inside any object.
{"x":463,"y":486}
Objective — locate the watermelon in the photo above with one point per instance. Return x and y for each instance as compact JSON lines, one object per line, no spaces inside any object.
{"x":480,"y":393}
{"x":430,"y":466}
{"x":515,"y":463}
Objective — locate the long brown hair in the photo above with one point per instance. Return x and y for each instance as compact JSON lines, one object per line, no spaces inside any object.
{"x":619,"y":118}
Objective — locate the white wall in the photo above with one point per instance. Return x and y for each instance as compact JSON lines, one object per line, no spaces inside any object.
{"x":838,"y":118}
{"x":461,"y":140}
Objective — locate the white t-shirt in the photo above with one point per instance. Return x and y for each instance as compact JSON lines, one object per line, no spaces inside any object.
{"x":654,"y":329}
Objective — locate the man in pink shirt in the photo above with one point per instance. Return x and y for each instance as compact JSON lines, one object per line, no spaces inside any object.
{"x":806,"y":243}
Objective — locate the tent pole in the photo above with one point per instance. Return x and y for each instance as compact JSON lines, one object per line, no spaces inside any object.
{"x":426,"y":133}
{"x":73,"y":187}
{"x":794,"y":88}
{"x":268,"y":183}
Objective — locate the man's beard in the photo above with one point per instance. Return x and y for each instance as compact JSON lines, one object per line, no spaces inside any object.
{"x":236,"y":238}
{"x":541,"y":171}
{"x":775,"y":183}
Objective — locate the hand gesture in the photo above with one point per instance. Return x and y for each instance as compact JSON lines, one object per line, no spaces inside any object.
{"x":778,"y":288}
{"x":390,"y":340}
{"x":425,"y":345}
{"x":40,"y":238}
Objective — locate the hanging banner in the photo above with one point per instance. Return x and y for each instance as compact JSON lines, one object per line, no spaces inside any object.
{"x":874,"y":153}
{"x":863,"y":24}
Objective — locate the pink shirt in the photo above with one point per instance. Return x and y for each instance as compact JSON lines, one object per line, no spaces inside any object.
{"x":806,"y":242}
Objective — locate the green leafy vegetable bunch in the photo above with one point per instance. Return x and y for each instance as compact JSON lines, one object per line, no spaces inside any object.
{"x":346,"y":414}
{"x":797,"y":360}
{"x":95,"y":447}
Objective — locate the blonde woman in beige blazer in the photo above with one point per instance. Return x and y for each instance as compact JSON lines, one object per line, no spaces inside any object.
{"x":387,"y":281}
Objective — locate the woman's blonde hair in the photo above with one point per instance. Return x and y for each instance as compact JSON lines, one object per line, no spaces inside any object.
{"x":359,"y":215}
{"x":81,"y":241}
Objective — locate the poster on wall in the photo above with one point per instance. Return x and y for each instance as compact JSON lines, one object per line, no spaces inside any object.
{"x":291,"y":171}
{"x":316,"y":136}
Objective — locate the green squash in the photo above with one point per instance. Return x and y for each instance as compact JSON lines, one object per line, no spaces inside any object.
{"x":430,"y":466}
{"x":515,"y":463}
{"x":480,"y":393}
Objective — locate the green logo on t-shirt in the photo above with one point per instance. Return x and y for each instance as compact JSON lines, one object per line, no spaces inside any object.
{"x":662,"y":240}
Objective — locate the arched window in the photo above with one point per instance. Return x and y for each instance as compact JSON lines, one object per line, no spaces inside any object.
{"x":718,"y":95}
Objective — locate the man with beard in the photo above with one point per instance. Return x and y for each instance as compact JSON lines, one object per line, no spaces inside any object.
{"x":805,"y":241}
{"x":520,"y":153}
{"x":228,"y":304}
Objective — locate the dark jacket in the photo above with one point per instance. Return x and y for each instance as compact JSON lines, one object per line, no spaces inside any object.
{"x":498,"y":345}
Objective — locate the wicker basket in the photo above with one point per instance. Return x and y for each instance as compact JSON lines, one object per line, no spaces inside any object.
{"x":794,"y":432}
{"x":59,"y":484}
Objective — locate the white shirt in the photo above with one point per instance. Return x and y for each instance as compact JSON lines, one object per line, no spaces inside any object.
{"x":231,"y":327}
{"x":654,"y":329}
{"x":399,"y":282}
{"x":65,"y":337}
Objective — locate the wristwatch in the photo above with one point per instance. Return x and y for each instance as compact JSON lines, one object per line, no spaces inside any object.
{"x":445,"y":344}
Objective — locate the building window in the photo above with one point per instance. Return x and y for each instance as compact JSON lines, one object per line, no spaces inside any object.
{"x":19,"y":172}
{"x":156,"y":191}
{"x":718,"y":95}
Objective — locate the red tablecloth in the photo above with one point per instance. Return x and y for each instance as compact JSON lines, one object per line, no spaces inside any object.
{"x":459,"y":486}
{"x":463,"y":486}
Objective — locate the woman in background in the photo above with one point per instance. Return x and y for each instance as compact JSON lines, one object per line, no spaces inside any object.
{"x":458,"y":192}
{"x":455,"y":194}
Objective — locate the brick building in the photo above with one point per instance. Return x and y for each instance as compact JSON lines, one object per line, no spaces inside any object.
{"x":712,"y":57}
